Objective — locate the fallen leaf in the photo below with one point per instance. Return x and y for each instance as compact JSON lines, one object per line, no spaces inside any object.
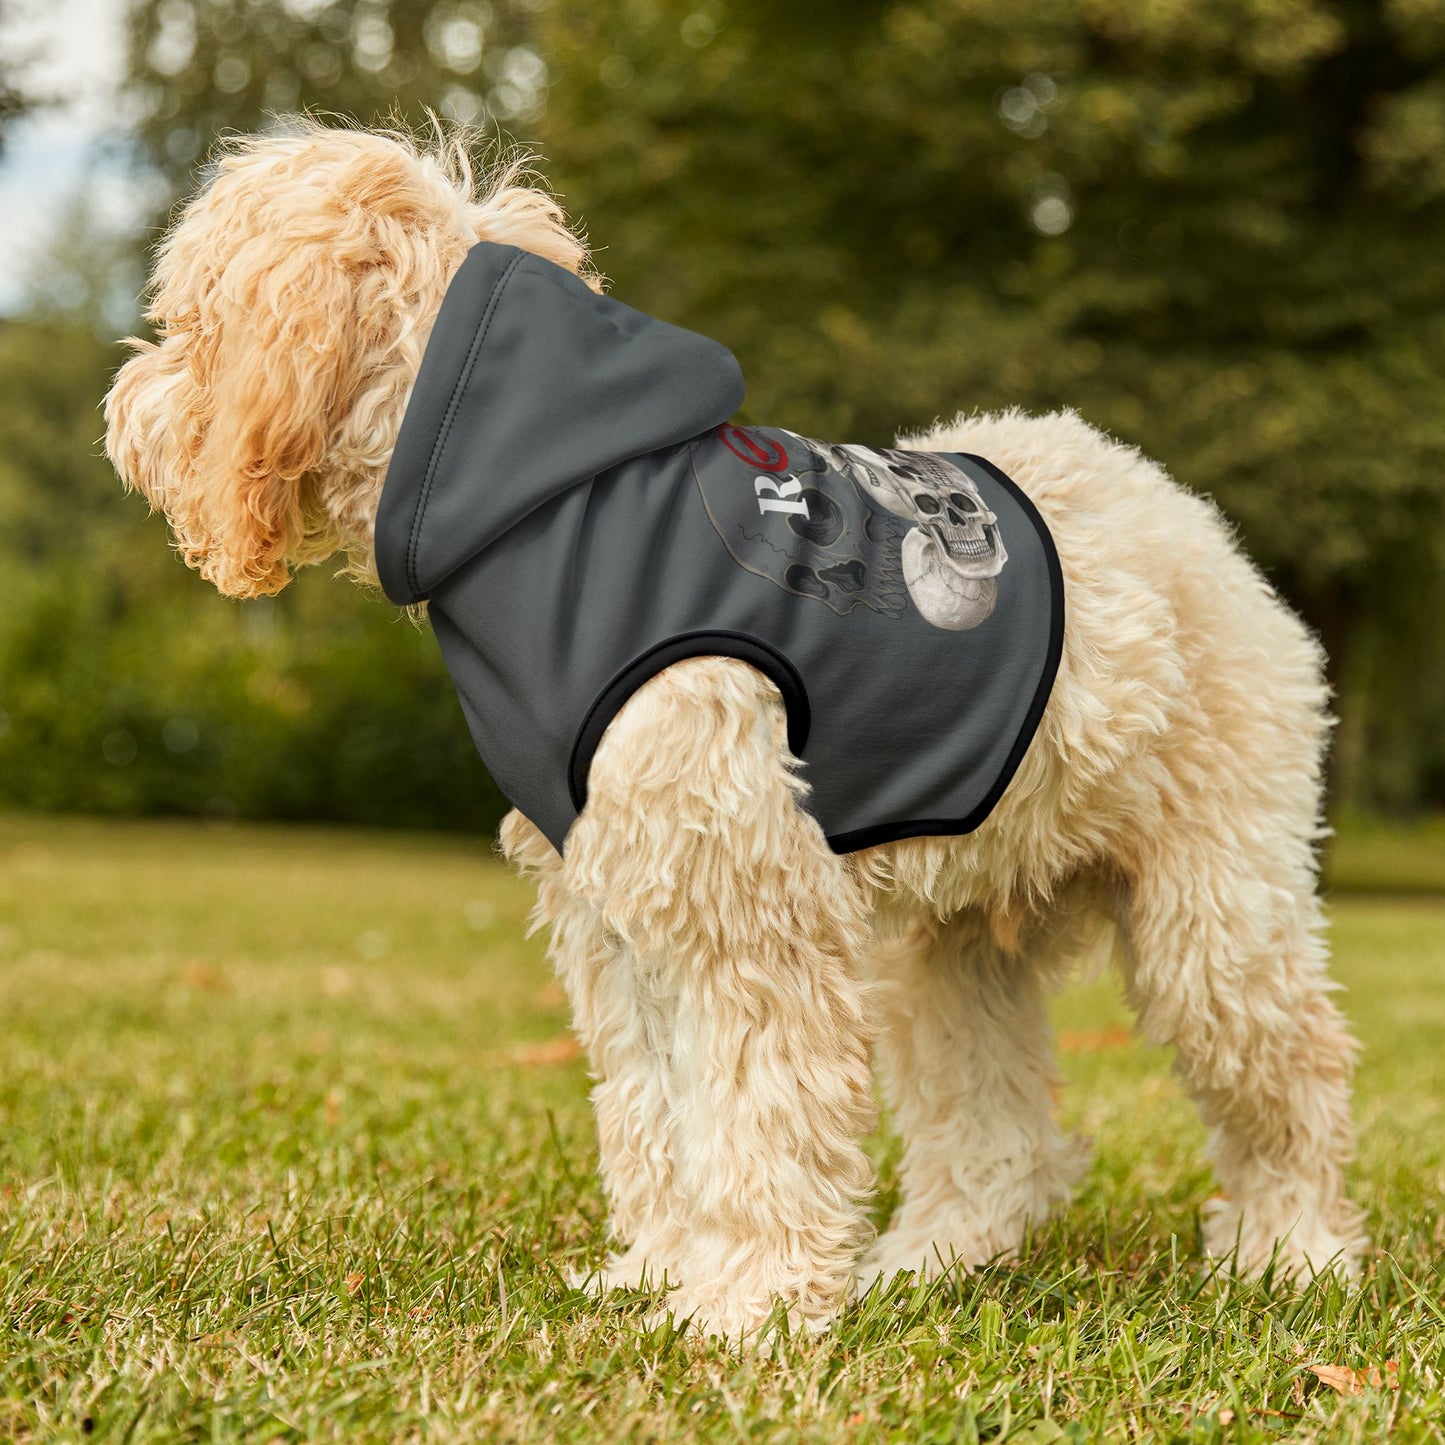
{"x":202,"y":975}
{"x":1347,"y":1381}
{"x":354,"y":1283}
{"x":554,"y":1051}
{"x":1095,"y":1042}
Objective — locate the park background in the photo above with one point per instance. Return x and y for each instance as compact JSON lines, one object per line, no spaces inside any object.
{"x":1217,"y":230}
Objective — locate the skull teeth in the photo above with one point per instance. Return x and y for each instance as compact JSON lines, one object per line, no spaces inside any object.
{"x":968,"y":547}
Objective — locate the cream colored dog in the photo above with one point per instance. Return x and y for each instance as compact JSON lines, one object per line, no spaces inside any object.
{"x":731,"y":976}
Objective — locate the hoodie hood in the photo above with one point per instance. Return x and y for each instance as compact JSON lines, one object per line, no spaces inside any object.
{"x":531,"y":384}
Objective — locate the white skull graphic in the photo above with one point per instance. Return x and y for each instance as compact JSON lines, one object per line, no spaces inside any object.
{"x":953,"y":554}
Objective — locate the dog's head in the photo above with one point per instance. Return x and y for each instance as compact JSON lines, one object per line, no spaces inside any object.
{"x":292,"y":300}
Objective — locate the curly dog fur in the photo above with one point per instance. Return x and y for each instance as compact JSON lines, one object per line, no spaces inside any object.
{"x":732,"y":978}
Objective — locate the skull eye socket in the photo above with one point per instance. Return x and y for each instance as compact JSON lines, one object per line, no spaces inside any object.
{"x":962,"y":502}
{"x":804,"y":580}
{"x":928,"y":504}
{"x":850,"y":576}
{"x":824,"y":523}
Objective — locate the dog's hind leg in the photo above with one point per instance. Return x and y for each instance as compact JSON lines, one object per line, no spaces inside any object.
{"x":1225,"y":961}
{"x":696,"y":855}
{"x":966,"y":1060}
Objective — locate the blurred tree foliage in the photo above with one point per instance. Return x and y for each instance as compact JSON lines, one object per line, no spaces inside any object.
{"x":15,"y":97}
{"x":202,"y":67}
{"x":1215,"y":227}
{"x":127,"y":686}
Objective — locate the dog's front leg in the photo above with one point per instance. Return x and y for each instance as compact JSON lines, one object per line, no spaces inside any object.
{"x":742,"y":929}
{"x":622,"y":1013}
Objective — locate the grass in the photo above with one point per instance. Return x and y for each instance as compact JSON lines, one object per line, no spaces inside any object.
{"x":292,"y":1147}
{"x":1397,"y":858}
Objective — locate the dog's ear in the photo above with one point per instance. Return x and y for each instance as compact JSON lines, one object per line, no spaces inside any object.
{"x":277,"y":354}
{"x":284,"y":301}
{"x":222,"y":423}
{"x":141,"y":437}
{"x":292,"y":301}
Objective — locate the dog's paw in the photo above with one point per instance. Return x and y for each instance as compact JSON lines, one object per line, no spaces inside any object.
{"x":900,"y":1253}
{"x":1298,"y":1246}
{"x":966,"y":1228}
{"x":753,"y":1324}
{"x":633,"y":1270}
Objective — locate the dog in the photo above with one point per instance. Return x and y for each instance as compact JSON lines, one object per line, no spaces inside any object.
{"x":731,"y":975}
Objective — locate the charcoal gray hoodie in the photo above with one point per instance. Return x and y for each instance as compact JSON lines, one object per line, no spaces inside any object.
{"x":568,"y":494}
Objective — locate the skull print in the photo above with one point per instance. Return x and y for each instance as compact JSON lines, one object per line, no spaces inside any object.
{"x":953,"y":553}
{"x":853,"y":527}
{"x":802,"y":526}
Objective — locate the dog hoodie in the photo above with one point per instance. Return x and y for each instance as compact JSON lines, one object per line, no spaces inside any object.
{"x":569,"y":495}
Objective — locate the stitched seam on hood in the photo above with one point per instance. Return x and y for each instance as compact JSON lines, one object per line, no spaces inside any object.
{"x":483,"y":326}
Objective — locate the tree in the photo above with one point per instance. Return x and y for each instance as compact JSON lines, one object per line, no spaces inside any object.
{"x":199,"y":68}
{"x":1218,"y":230}
{"x":15,"y":97}
{"x":127,"y":685}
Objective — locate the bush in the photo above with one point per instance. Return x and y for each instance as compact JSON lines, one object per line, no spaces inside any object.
{"x":217,"y":708}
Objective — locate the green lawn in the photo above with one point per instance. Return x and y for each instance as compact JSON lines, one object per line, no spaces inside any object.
{"x":292,"y":1147}
{"x":1372,"y":856}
